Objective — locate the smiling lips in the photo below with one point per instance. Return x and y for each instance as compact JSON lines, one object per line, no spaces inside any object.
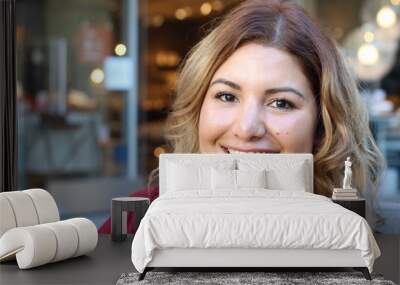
{"x":253,"y":150}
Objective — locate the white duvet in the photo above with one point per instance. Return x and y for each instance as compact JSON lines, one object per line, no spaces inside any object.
{"x":252,"y":218}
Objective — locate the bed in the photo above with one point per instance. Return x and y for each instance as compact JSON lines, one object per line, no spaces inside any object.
{"x":247,"y":210}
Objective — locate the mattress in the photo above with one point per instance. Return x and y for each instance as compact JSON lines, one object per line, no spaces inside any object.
{"x":251,"y":219}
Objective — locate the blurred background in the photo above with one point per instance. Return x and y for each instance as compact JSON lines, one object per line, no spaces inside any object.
{"x":96,"y":79}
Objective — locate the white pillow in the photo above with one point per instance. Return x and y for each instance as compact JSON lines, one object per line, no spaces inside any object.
{"x":251,"y":178}
{"x":292,"y":180}
{"x":236,"y":179}
{"x":281,"y":174}
{"x":183,"y":177}
{"x":189,"y":176}
{"x":223,"y":179}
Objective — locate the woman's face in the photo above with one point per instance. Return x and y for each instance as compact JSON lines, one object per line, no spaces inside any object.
{"x":259,"y":100}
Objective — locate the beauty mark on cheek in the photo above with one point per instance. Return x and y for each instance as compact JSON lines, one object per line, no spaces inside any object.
{"x":277,"y":133}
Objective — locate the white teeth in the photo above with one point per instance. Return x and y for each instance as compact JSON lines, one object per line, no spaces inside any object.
{"x":240,"y":152}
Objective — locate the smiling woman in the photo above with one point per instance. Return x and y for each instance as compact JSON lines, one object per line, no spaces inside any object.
{"x":262,"y":110}
{"x":267,"y":79}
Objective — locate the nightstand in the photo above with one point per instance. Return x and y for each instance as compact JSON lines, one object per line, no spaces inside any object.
{"x":119,"y":208}
{"x":356,"y":205}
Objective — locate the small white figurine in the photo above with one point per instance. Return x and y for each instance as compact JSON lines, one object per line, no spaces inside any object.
{"x":347,"y":174}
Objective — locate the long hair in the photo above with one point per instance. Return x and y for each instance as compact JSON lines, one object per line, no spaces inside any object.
{"x":343,"y":124}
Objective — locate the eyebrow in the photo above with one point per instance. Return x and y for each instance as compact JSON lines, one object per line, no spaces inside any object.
{"x":266,"y":92}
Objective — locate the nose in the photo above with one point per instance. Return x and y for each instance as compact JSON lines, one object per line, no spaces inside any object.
{"x":249,"y":124}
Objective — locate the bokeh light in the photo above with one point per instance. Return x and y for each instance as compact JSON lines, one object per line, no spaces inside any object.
{"x":386,"y":17}
{"x":120,"y":49}
{"x":205,"y":8}
{"x":369,"y":37}
{"x":368,"y":54}
{"x":97,"y":76}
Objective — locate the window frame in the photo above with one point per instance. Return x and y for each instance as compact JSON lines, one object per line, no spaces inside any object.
{"x":8,"y":116}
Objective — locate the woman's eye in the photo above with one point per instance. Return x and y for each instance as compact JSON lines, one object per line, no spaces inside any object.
{"x":282,"y":104}
{"x":226,"y":97}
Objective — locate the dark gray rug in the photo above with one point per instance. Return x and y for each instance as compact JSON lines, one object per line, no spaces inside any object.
{"x":229,"y":278}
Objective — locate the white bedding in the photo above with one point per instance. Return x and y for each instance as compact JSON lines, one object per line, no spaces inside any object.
{"x":251,"y":218}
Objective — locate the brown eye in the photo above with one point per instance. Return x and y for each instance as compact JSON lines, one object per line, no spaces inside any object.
{"x":226,"y":97}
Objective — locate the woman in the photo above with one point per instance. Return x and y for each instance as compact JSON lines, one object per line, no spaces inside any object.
{"x":267,"y":79}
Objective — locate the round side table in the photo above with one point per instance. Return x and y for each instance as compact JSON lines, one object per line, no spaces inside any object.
{"x":119,"y":208}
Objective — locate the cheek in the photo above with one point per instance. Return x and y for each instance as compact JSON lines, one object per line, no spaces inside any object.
{"x":294,"y":132}
{"x":214,"y":121}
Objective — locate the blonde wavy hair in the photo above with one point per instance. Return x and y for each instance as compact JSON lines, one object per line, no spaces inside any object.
{"x":343,"y":124}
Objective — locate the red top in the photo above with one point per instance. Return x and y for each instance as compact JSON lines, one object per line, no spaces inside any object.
{"x":151,"y":193}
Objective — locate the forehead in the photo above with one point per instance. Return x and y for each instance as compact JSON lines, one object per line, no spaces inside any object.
{"x":256,"y":63}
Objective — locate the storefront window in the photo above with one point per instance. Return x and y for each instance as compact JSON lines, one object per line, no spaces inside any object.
{"x":72,"y":106}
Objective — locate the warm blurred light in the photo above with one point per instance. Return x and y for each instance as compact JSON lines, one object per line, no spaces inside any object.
{"x":189,"y":11}
{"x":157,"y":21}
{"x":206,"y":8}
{"x":167,"y":59}
{"x":386,"y":17}
{"x":368,"y":54}
{"x":120,"y":49}
{"x":395,"y":2}
{"x":219,"y":6}
{"x":97,"y":76}
{"x":158,"y":150}
{"x":369,"y":37}
{"x":180,"y":14}
{"x":153,"y":104}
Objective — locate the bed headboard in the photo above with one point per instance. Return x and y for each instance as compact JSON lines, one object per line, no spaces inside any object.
{"x":283,"y":163}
